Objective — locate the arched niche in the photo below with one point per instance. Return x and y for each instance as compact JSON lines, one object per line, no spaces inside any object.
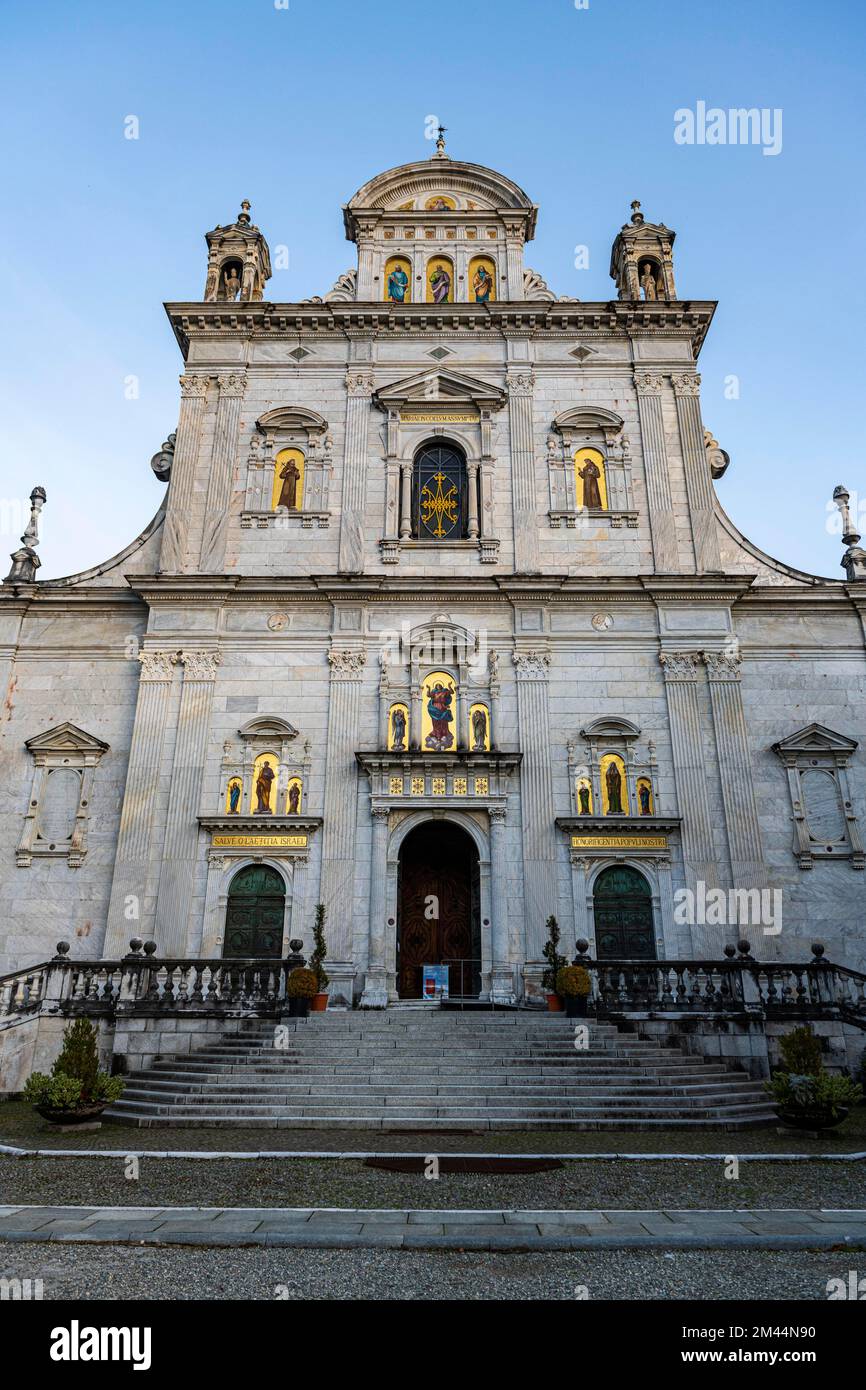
{"x":589,"y":466}
{"x":298,"y":441}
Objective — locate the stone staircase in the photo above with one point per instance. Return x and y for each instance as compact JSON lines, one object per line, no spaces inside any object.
{"x":428,"y":1069}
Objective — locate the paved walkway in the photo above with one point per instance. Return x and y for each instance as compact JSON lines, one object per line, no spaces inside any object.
{"x":331,"y":1227}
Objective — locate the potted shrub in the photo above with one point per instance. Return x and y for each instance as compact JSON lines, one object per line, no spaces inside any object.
{"x":301,"y":987}
{"x":573,"y":984}
{"x":555,"y":963}
{"x":806,"y":1095}
{"x":320,"y":950}
{"x":76,"y":1091}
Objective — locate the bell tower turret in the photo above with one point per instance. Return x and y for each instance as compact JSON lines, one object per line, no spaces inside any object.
{"x":641,"y":261}
{"x":239,"y":261}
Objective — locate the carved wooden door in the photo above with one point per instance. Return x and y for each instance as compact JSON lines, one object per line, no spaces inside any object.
{"x":255,"y":913}
{"x":436,"y":909}
{"x":623,"y":916}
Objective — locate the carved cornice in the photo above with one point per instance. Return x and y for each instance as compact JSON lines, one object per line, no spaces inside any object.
{"x":679,"y":666}
{"x":347,"y":664}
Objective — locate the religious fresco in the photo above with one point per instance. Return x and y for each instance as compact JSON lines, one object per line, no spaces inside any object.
{"x":644,"y":796}
{"x":614,"y":785}
{"x":398,"y":280}
{"x":293,"y":796}
{"x":398,"y":728}
{"x":482,"y":280}
{"x":439,"y":696}
{"x":288,"y":480}
{"x":590,"y":481}
{"x":234,"y":796}
{"x":440,"y":281}
{"x":440,"y":202}
{"x":263,"y":794}
{"x":479,"y":729}
{"x":583,"y":796}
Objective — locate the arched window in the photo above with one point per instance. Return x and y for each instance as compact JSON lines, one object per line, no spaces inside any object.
{"x":439,"y":494}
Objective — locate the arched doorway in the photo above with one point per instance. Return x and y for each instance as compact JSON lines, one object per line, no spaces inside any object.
{"x":438,"y":916}
{"x":255,"y":913}
{"x":623,"y":911}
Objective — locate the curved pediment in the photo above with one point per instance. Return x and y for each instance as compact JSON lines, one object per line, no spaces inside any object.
{"x":292,"y":417}
{"x":268,"y":726}
{"x":587,"y":417}
{"x":414,"y":187}
{"x":611,"y":728}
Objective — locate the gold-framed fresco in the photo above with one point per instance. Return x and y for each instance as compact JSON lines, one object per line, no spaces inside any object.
{"x":438,"y":704}
{"x":294,"y":794}
{"x":590,"y":481}
{"x":398,"y":280}
{"x":482,"y":280}
{"x":644,"y":794}
{"x":398,"y":728}
{"x":478,"y":740}
{"x":583,"y":796}
{"x":263,"y":786}
{"x":288,"y":489}
{"x":440,"y":202}
{"x":614,"y":785}
{"x":440,"y":280}
{"x":234,"y":796}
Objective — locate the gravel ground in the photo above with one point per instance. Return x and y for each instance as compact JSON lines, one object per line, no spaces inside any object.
{"x":112,"y":1272}
{"x":20,"y":1125}
{"x":347,"y":1183}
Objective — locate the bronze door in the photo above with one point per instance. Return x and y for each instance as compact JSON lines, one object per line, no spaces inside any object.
{"x":255,"y":913}
{"x":438,"y":918}
{"x":623,"y":916}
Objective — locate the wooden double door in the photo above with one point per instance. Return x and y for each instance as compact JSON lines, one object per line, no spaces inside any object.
{"x":255,"y":913}
{"x":622,"y":907}
{"x":438,"y":915}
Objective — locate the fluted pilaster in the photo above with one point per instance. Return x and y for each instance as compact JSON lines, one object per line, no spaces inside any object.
{"x":658,"y":488}
{"x":536,"y":794}
{"x":338,"y":828}
{"x":699,"y":486}
{"x":735,"y":770}
{"x":174,"y":556}
{"x":221,"y":477}
{"x":521,"y":385}
{"x":359,"y":385}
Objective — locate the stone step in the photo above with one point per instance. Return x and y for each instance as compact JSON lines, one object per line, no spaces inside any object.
{"x":422,"y":1115}
{"x":479,"y":1125}
{"x":571,"y":1087}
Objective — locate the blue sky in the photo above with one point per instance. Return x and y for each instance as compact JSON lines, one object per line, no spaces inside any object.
{"x":295,"y":108}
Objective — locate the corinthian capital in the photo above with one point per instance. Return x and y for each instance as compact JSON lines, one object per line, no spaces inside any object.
{"x":686,"y":384}
{"x":200,"y":666}
{"x":193,"y":387}
{"x":347,"y":664}
{"x":359,"y":383}
{"x":156,"y":666}
{"x":520,"y":382}
{"x":531,"y":665}
{"x":648,"y":383}
{"x":679,"y":666}
{"x":232,"y":384}
{"x":722,"y":666}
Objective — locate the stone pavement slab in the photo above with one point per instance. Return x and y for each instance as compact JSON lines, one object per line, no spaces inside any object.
{"x":369,"y":1228}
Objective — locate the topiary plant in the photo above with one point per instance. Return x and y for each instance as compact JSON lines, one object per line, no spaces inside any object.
{"x":75,"y":1083}
{"x":78,"y":1056}
{"x":555,"y":961}
{"x":801,"y":1052}
{"x":573,"y":979}
{"x":320,"y":949}
{"x":301,"y":984}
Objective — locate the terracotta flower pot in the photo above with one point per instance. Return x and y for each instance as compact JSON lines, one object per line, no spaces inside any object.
{"x":554,"y":1004}
{"x":319,"y":1002}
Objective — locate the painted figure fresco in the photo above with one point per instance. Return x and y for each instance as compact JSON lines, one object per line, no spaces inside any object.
{"x":590,"y":473}
{"x":294,"y":799}
{"x":479,"y":730}
{"x":440,"y":204}
{"x":398,"y":730}
{"x":439,"y":700}
{"x":482,"y":284}
{"x":263,"y":789}
{"x":398,"y":285}
{"x":613,"y":778}
{"x":440,"y":284}
{"x":644,"y":796}
{"x":290,"y":474}
{"x":584,"y":804}
{"x":234,"y":797}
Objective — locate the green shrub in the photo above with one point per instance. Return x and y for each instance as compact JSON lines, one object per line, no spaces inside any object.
{"x":573,"y":979}
{"x":301,"y":984}
{"x":808,"y":1091}
{"x":320,"y":950}
{"x":801,"y":1052}
{"x":555,"y":961}
{"x":75,"y":1081}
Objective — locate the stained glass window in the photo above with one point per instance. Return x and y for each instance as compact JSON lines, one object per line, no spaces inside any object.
{"x":439,"y":494}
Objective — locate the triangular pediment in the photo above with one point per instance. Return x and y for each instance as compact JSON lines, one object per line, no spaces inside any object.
{"x":66,"y":738}
{"x":439,"y":386}
{"x":815,"y":738}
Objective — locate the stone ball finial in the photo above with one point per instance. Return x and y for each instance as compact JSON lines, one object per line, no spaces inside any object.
{"x":744,"y":947}
{"x":730,"y":951}
{"x":150,"y":948}
{"x":63,"y":949}
{"x":817,"y":949}
{"x":581,"y":945}
{"x":135,"y":945}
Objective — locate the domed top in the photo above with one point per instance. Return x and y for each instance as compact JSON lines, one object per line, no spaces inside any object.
{"x":440,"y":185}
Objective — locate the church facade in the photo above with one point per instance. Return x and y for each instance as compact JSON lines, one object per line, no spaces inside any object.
{"x":440,"y":624}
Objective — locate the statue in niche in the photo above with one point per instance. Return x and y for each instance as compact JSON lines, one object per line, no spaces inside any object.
{"x":398,"y":285}
{"x":398,"y":731}
{"x":479,"y":730}
{"x":234,"y":797}
{"x":439,"y":700}
{"x":613,"y":779}
{"x":648,"y":283}
{"x":231,"y":283}
{"x":290,"y":474}
{"x":263,"y":789}
{"x":583,"y":800}
{"x":294,"y":799}
{"x":440,"y":284}
{"x":590,"y":473}
{"x":644,"y":796}
{"x":482,"y":284}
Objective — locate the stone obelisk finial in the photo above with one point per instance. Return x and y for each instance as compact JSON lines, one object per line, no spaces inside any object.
{"x":25,"y":562}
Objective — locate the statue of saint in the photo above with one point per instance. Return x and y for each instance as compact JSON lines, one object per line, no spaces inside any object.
{"x":479,"y":730}
{"x":231,"y":284}
{"x":398,"y":285}
{"x":263,"y":789}
{"x":482,"y":284}
{"x":234,"y":797}
{"x":590,"y":473}
{"x":290,"y":474}
{"x":583,"y":798}
{"x":648,"y":283}
{"x":294,"y":799}
{"x":398,"y":731}
{"x":440,"y":284}
{"x":613,"y":778}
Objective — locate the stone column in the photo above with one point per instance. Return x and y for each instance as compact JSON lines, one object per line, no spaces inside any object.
{"x":536,"y":796}
{"x":340,"y":810}
{"x":735,"y":773}
{"x":521,"y":385}
{"x":221,"y":475}
{"x":472,"y":528}
{"x":582,"y":928}
{"x":173,"y":556}
{"x":699,"y":854}
{"x":375,"y":994}
{"x":699,"y":485}
{"x":180,"y":848}
{"x":359,"y":385}
{"x":658,"y":488}
{"x":135,"y":837}
{"x":300,"y":927}
{"x":405,"y":501}
{"x":502,"y":967}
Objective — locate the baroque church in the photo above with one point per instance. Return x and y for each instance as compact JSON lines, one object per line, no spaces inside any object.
{"x":440,"y":624}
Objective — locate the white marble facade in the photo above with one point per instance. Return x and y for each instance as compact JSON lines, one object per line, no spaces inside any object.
{"x":137,"y":690}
